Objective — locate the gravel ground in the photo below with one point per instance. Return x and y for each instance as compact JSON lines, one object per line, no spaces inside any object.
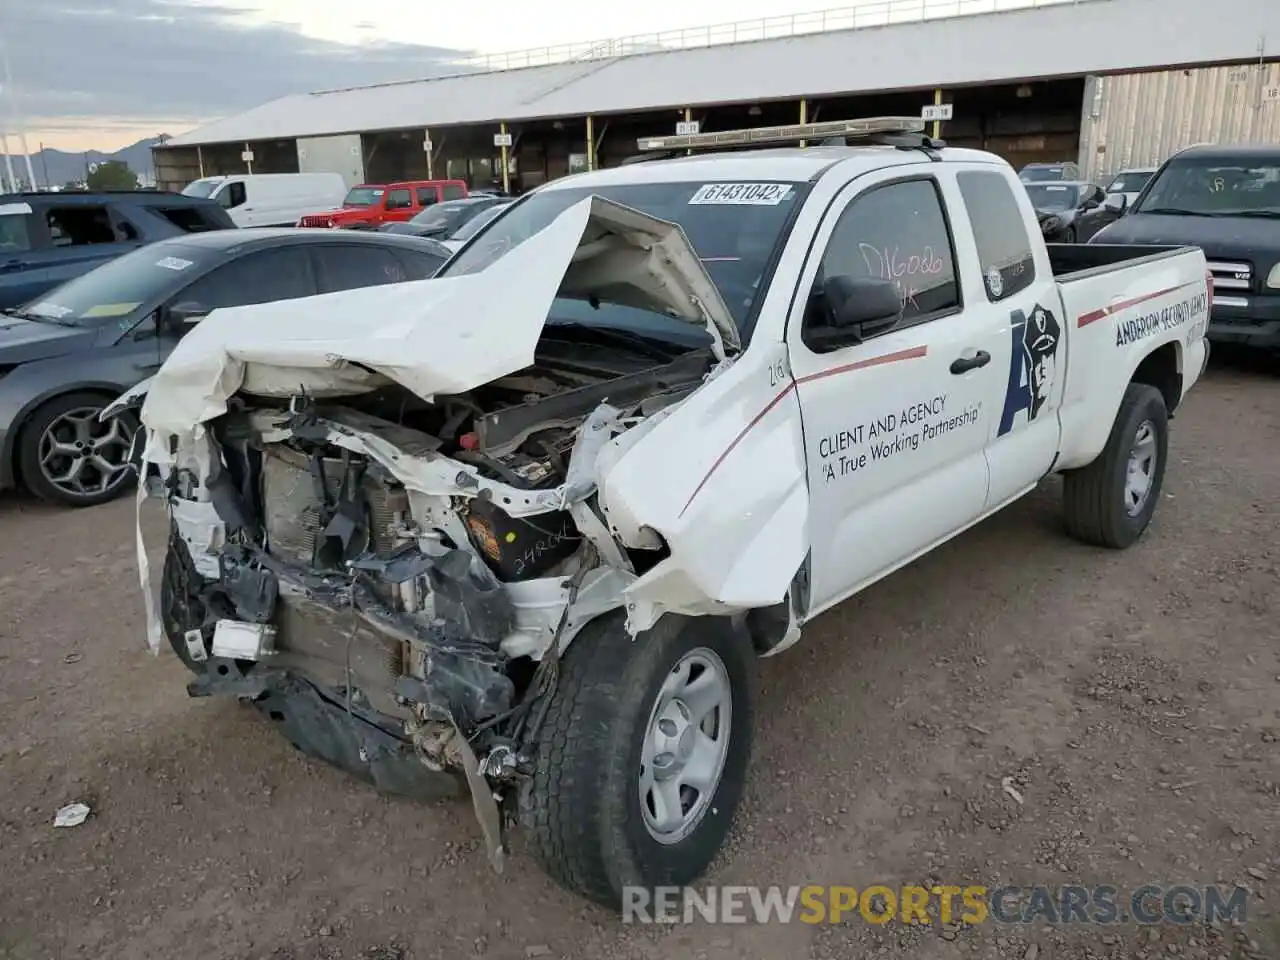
{"x":1131,"y":700}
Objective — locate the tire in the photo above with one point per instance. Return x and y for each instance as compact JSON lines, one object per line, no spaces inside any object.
{"x":1099,"y":504}
{"x":582,"y":808}
{"x":181,"y":608}
{"x":72,"y":419}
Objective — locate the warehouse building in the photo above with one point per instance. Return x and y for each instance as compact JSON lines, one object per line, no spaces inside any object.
{"x":1109,"y":83}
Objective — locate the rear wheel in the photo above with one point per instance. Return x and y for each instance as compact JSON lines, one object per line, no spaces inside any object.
{"x":1110,"y":502}
{"x":641,"y":760}
{"x":67,"y":455}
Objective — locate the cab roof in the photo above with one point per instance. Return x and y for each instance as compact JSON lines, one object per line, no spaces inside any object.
{"x":790,"y":164}
{"x":1227,"y":153}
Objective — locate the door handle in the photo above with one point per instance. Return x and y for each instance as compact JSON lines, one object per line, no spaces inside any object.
{"x":965,"y":364}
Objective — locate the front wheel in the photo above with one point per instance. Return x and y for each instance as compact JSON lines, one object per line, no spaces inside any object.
{"x":69,"y":456}
{"x":1110,"y":502}
{"x":641,"y":759}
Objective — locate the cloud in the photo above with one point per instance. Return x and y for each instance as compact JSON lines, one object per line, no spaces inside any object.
{"x":134,"y":62}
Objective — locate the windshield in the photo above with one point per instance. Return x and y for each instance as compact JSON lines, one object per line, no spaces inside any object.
{"x":118,"y":287}
{"x":1053,"y":196}
{"x":734,"y":237}
{"x":478,"y":222}
{"x":1215,"y":188}
{"x":202,"y":189}
{"x":1040,"y":174}
{"x":363,"y":196}
{"x":1130,"y":181}
{"x":441,"y":216}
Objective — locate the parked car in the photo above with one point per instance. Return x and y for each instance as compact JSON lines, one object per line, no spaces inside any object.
{"x":270,"y":199}
{"x":1045,"y":172}
{"x":573,"y":487}
{"x":49,"y":238}
{"x":65,"y":356}
{"x":368,"y":205}
{"x":1129,"y":183}
{"x":440,"y":221}
{"x":1068,"y":212}
{"x":458,"y":239}
{"x":1225,"y":200}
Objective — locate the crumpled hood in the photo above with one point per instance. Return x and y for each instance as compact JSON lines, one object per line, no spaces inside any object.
{"x":439,"y":336}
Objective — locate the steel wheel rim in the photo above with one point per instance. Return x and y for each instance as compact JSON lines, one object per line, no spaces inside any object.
{"x":686,"y":743}
{"x":1140,"y":471}
{"x":83,"y":456}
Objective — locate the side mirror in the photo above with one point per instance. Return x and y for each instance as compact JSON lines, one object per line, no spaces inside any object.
{"x":1091,"y":204}
{"x":1117,"y":203}
{"x":186,"y":313}
{"x":853,"y":310}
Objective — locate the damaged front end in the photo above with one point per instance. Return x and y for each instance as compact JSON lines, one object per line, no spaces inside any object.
{"x":390,"y":578}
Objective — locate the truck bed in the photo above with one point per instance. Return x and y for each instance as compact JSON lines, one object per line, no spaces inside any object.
{"x":1075,"y":261}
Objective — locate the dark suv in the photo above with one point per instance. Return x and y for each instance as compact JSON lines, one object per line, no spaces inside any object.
{"x":67,"y":355}
{"x":48,"y":238}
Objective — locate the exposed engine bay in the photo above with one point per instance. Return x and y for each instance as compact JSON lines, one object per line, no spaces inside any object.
{"x":305,"y":576}
{"x":392,"y":509}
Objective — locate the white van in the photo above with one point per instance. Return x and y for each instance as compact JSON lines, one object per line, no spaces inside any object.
{"x":271,"y":199}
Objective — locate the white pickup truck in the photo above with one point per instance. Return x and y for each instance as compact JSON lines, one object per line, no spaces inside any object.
{"x":524,"y":527}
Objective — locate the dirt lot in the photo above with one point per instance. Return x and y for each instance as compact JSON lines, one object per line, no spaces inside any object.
{"x":1134,"y":700}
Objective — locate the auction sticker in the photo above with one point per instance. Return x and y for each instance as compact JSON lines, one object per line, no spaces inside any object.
{"x":173,"y":263}
{"x":742,"y":194}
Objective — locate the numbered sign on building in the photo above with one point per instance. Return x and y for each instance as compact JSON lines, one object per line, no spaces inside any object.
{"x":688,"y":128}
{"x":502,"y":140}
{"x":937,"y":111}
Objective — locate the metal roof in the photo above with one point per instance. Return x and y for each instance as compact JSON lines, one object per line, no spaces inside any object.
{"x":1064,"y":39}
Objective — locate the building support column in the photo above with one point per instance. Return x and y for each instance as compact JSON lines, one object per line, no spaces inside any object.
{"x":429,"y":149}
{"x":937,"y":102}
{"x":200,"y":158}
{"x":688,"y":117}
{"x":506,"y":161}
{"x":591,"y":143}
{"x":804,"y":116}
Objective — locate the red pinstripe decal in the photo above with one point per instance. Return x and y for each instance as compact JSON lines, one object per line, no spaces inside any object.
{"x":911,"y":354}
{"x":1094,"y":315}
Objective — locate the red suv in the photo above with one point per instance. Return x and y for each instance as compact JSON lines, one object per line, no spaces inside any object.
{"x":369,"y":205}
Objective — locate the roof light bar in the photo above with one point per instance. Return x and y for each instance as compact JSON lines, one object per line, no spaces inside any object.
{"x":791,"y":133}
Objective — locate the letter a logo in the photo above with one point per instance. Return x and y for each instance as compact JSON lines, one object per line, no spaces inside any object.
{"x":1017,"y":396}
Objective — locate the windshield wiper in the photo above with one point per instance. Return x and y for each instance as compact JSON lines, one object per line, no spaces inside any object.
{"x":646,"y":344}
{"x":1264,"y":214}
{"x":37,"y":317}
{"x":1177,"y":212}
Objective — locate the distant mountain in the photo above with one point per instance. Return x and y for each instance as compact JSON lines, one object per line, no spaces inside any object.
{"x":57,"y":167}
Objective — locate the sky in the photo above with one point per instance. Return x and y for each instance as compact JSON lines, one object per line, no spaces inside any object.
{"x":102,"y":74}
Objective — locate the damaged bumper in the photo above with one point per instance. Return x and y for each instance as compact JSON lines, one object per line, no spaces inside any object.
{"x":352,"y":737}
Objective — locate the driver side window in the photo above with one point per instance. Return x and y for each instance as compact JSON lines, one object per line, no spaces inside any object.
{"x":898,"y":232}
{"x":256,"y":277}
{"x":232,"y":195}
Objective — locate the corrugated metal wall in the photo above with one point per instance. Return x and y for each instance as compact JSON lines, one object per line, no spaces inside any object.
{"x":1139,"y":119}
{"x":340,"y":154}
{"x":175,"y":166}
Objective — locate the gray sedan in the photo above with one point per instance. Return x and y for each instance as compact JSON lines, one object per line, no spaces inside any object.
{"x":66,"y":356}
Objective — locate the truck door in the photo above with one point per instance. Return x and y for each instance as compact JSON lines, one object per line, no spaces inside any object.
{"x":896,"y":425}
{"x":1013,"y":285}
